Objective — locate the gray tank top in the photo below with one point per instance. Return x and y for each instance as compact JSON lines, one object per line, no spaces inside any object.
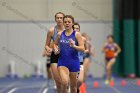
{"x":55,"y":33}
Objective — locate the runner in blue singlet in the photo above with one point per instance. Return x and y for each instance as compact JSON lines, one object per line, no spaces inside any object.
{"x":76,"y":27}
{"x":70,"y":42}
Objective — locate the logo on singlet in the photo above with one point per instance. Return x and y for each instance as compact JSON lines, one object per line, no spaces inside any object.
{"x":65,"y":43}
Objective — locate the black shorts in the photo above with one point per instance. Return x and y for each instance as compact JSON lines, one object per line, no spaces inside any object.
{"x":48,"y":65}
{"x":81,"y":63}
{"x":54,"y":58}
{"x":87,"y":55}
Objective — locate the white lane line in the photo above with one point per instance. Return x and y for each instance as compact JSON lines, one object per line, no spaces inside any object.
{"x":45,"y":90}
{"x":9,"y":86}
{"x":42,"y":87}
{"x":12,"y":90}
{"x":116,"y":90}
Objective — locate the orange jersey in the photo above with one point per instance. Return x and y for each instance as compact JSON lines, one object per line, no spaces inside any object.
{"x":110,"y":54}
{"x":110,"y":50}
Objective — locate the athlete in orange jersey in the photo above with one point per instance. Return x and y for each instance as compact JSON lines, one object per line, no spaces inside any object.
{"x":111,"y":50}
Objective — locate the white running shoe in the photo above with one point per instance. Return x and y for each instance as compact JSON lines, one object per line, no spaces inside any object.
{"x":106,"y":82}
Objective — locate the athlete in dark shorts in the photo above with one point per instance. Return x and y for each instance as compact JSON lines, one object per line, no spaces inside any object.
{"x":54,"y":58}
{"x":48,"y":65}
{"x":76,"y":27}
{"x":51,"y":35}
{"x":86,"y":61}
